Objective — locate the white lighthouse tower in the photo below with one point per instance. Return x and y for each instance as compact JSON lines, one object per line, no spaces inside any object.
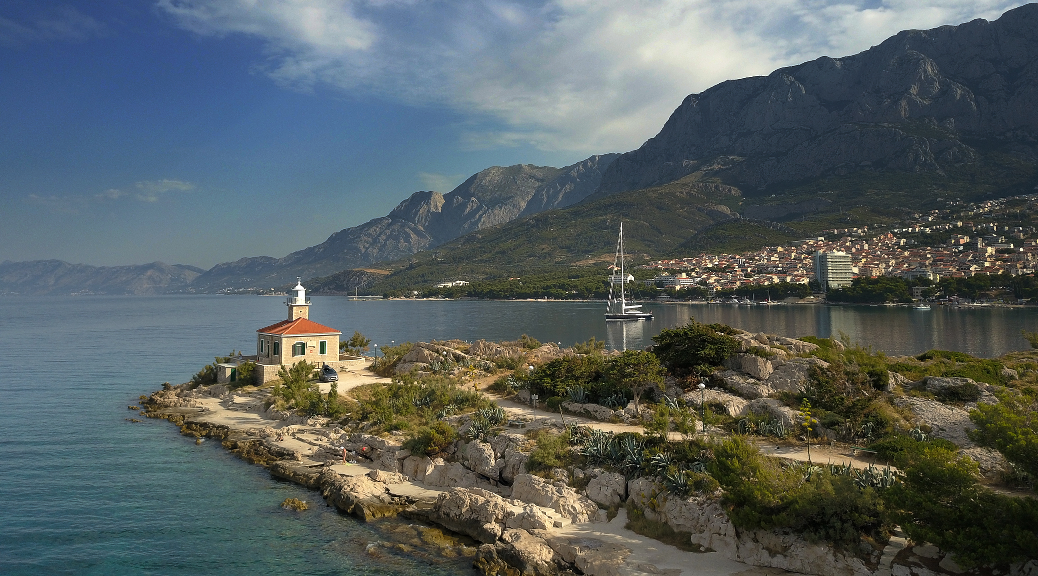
{"x":298,"y":304}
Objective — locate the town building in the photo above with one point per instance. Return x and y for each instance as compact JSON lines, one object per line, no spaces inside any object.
{"x":833,"y":269}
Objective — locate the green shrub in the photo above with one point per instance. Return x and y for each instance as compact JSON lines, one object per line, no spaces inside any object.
{"x":529,"y":342}
{"x":694,"y":348}
{"x":1011,"y":427}
{"x":940,"y":502}
{"x":431,"y":440}
{"x":901,"y":449}
{"x":552,"y":451}
{"x":245,"y":374}
{"x":965,"y":392}
{"x":591,"y":346}
{"x":408,"y":403}
{"x":205,"y":376}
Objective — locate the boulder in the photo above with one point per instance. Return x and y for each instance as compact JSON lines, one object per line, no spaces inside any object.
{"x":896,"y":379}
{"x":416,"y":467}
{"x":557,"y":496}
{"x":591,"y":556}
{"x":359,"y":496}
{"x":450,"y":474}
{"x":755,"y":366}
{"x":514,"y":464}
{"x":948,"y":422}
{"x":518,"y":551}
{"x":733,"y":404}
{"x":742,"y":384}
{"x":530,"y":518}
{"x":387,"y":477}
{"x":596,"y":411}
{"x":479,"y":457}
{"x":775,"y":409}
{"x":794,"y":374}
{"x":607,"y":489}
{"x":473,"y":512}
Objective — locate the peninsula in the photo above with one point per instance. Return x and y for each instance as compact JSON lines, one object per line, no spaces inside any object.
{"x":809,"y":455}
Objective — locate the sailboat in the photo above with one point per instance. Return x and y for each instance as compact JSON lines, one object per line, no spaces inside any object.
{"x":618,"y":308}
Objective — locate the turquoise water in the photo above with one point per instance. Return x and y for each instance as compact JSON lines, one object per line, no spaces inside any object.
{"x":84,"y":491}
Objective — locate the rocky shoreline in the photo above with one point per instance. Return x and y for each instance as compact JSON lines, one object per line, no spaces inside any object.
{"x":520,"y":523}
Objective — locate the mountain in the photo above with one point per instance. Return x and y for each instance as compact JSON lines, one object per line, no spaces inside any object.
{"x":425,"y":220}
{"x":929,"y":102}
{"x":41,"y":277}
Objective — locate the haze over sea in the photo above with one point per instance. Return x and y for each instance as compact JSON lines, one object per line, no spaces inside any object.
{"x":87,"y":492}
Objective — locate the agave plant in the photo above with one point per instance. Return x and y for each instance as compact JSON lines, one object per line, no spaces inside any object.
{"x":678,"y":482}
{"x":448,"y":410}
{"x":672,"y":403}
{"x":616,"y":401}
{"x":873,"y":477}
{"x":577,"y":394}
{"x":659,"y":463}
{"x":495,"y":416}
{"x":596,"y":447}
{"x":918,"y":434}
{"x":421,"y":401}
{"x":479,"y":429}
{"x":746,"y":426}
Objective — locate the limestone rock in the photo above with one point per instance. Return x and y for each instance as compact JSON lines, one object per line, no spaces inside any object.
{"x":608,"y":489}
{"x":471,"y":511}
{"x":945,"y":421}
{"x":741,"y":384}
{"x":416,"y":467}
{"x":755,"y":366}
{"x":514,"y":464}
{"x":558,"y":497}
{"x":794,"y":374}
{"x":733,"y":405}
{"x":450,"y":474}
{"x":359,"y":496}
{"x":591,"y":556}
{"x":775,"y":409}
{"x":479,"y":457}
{"x":530,"y":518}
{"x":387,"y":477}
{"x":529,"y":553}
{"x":596,"y":411}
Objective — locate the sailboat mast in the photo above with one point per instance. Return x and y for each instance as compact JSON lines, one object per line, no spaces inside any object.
{"x":623,"y":273}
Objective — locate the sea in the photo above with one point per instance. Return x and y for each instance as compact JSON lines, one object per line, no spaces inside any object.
{"x":84,"y":490}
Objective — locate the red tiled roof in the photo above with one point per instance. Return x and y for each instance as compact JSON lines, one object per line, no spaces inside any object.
{"x":297,"y":327}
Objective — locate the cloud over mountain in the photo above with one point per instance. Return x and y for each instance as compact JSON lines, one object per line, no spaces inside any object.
{"x":558,"y":74}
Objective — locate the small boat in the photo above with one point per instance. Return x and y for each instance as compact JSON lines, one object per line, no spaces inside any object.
{"x":921,"y":306}
{"x":617,"y":308}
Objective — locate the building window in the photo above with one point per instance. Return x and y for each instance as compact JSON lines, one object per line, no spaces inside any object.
{"x":324,"y":346}
{"x":299,"y":349}
{"x":277,"y":348}
{"x":259,"y":347}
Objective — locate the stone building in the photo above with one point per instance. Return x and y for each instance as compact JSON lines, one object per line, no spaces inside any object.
{"x":294,"y":340}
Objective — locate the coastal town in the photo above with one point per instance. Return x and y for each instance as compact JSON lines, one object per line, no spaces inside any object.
{"x":975,"y":246}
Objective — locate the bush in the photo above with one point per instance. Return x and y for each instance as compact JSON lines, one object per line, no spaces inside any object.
{"x":1011,"y":427}
{"x":431,"y":440}
{"x":940,"y":502}
{"x":245,"y":374}
{"x":552,"y":451}
{"x":408,"y":403}
{"x":205,"y":376}
{"x":694,"y":348}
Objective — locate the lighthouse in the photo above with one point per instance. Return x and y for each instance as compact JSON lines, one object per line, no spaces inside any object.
{"x":298,"y":305}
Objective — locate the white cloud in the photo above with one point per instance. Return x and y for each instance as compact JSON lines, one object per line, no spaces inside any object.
{"x":152,"y":190}
{"x":584,"y":75}
{"x":442,"y":183}
{"x":110,"y":194}
{"x":62,"y":23}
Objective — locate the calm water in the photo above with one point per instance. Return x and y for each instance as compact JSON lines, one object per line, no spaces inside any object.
{"x":83,"y":491}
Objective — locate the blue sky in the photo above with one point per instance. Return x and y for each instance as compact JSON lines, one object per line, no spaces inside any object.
{"x":202,"y":131}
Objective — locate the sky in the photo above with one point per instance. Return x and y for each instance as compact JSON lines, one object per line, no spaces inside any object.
{"x":203,"y":131}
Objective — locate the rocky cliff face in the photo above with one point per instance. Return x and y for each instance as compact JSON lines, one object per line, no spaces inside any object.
{"x":424,"y":220}
{"x":57,"y":277}
{"x":915,"y":103}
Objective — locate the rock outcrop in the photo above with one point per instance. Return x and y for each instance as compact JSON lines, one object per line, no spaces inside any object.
{"x":705,"y":519}
{"x":907,"y":105}
{"x":424,"y":220}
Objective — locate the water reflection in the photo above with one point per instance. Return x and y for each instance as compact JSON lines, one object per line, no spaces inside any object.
{"x":894,"y":330}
